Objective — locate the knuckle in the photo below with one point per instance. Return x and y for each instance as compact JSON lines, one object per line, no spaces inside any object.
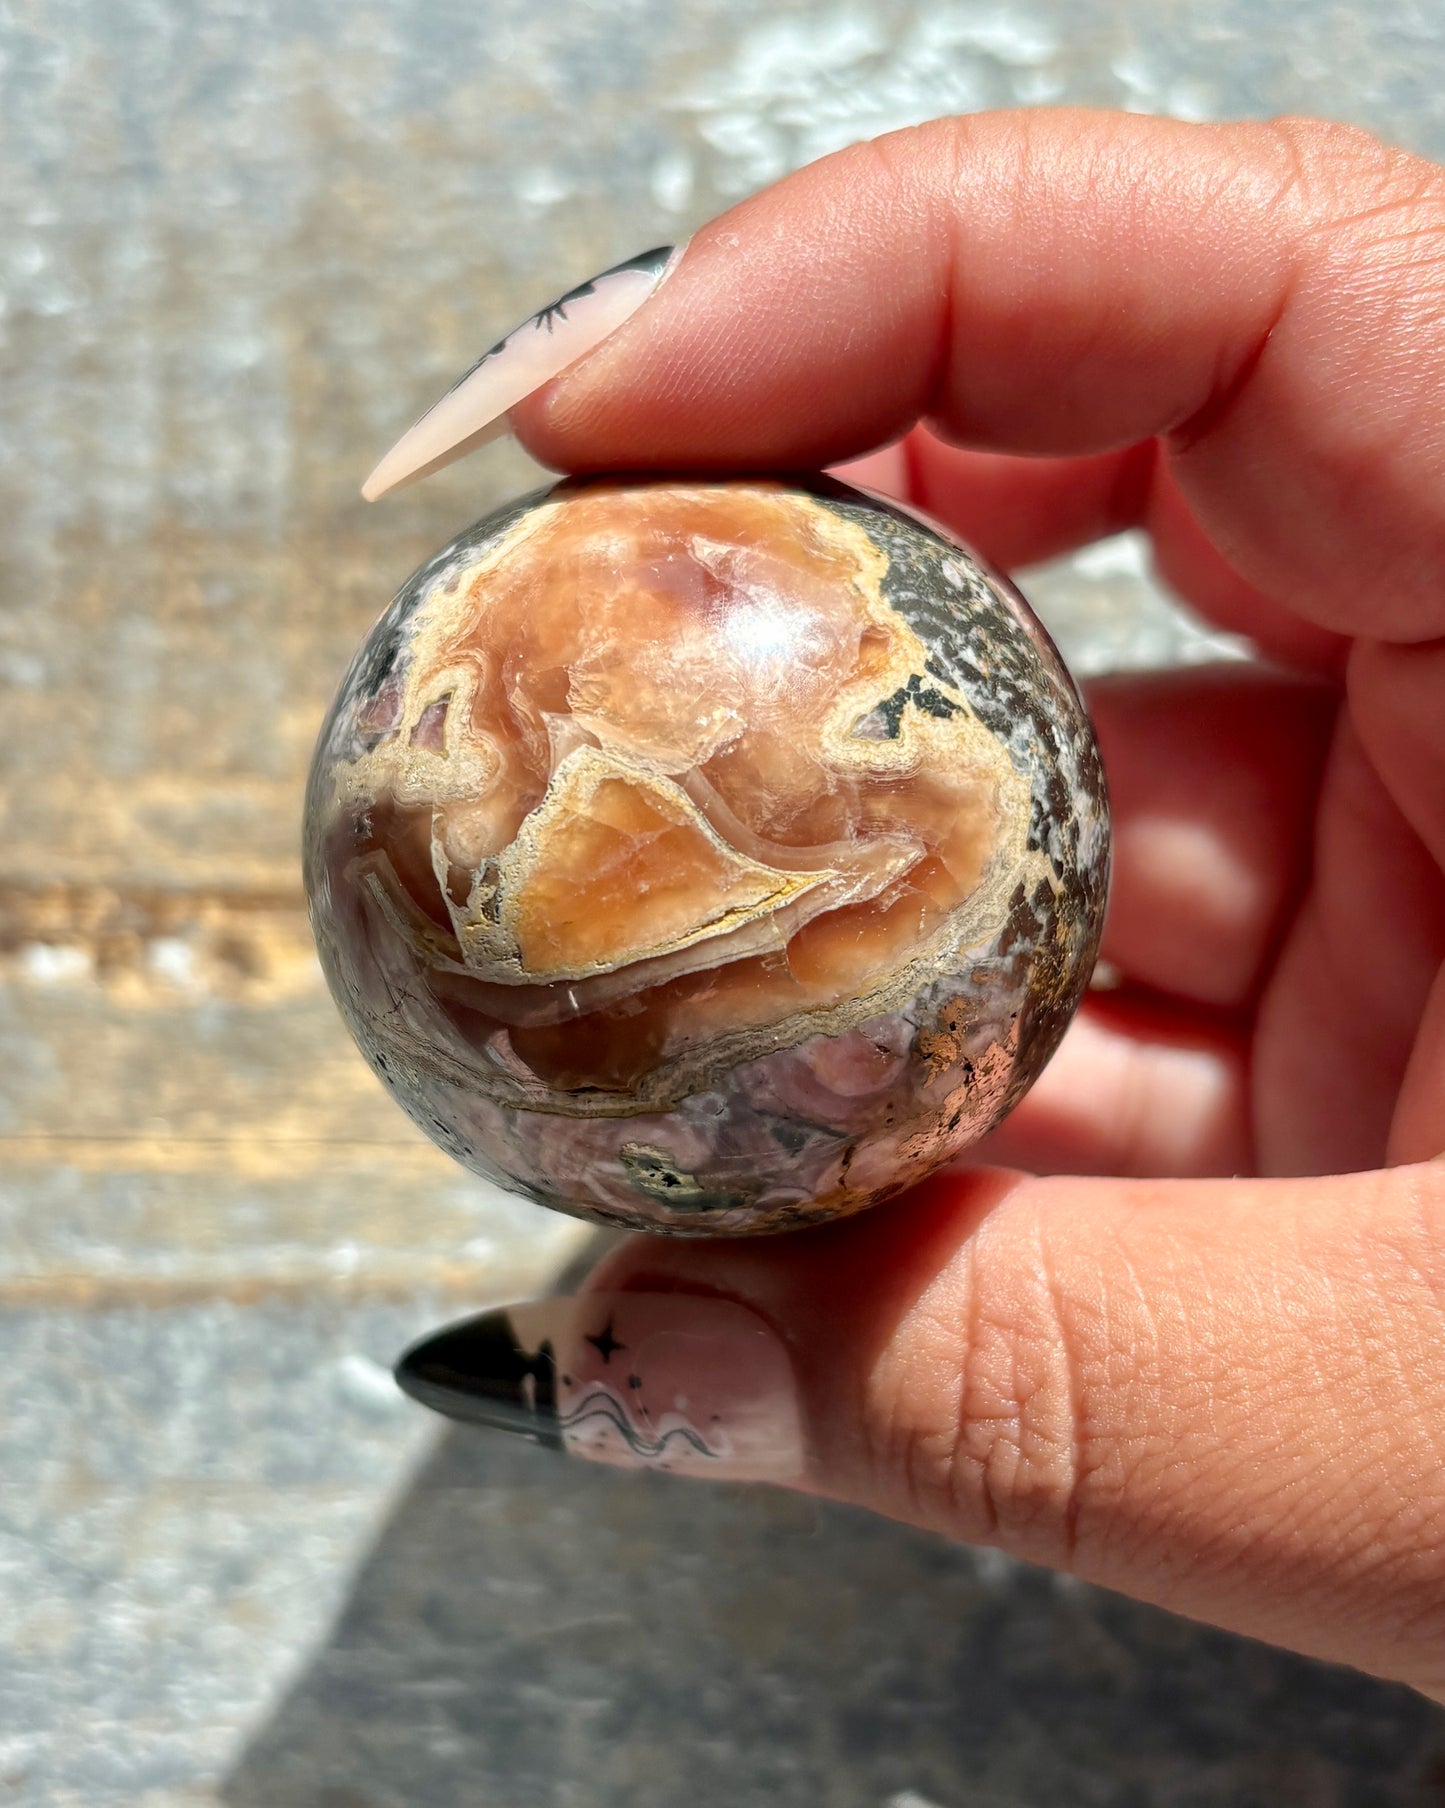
{"x":1021,"y":1441}
{"x":1357,"y":201}
{"x":888,"y":160}
{"x":984,"y":1421}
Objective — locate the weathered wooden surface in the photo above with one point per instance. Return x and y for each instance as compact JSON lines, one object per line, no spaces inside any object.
{"x":239,"y":247}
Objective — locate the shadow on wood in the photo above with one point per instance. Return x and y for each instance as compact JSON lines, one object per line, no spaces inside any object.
{"x":530,"y":1632}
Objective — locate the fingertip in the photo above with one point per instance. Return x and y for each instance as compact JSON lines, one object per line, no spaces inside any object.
{"x":1066,"y":285}
{"x":839,"y":1295}
{"x":804,"y":1273}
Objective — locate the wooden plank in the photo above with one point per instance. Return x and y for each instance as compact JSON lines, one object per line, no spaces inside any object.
{"x":181,"y":1108}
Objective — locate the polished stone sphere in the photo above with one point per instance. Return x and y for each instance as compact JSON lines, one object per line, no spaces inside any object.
{"x":706,"y":856}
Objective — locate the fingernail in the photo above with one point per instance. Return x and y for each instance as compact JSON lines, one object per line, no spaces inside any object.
{"x":675,"y":1381}
{"x":474,"y":409}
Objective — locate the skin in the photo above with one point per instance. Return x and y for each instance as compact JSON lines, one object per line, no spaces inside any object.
{"x":1185,"y":1335}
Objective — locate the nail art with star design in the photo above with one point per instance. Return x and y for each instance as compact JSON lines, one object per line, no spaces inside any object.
{"x":674,"y":1381}
{"x":474,"y":410}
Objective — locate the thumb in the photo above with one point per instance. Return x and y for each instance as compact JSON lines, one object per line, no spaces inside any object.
{"x":1226,"y":1398}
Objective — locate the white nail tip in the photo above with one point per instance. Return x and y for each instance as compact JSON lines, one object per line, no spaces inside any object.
{"x":474,"y":410}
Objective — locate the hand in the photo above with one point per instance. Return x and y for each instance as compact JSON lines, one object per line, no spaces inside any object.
{"x":1222,"y":1391}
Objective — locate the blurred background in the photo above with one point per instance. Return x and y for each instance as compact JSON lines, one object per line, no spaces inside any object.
{"x":243,"y":244}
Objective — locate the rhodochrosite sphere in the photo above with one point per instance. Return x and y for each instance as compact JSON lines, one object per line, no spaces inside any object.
{"x":706,"y":856}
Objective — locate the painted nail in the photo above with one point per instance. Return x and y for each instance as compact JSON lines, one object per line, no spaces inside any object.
{"x":675,"y":1381}
{"x":474,"y":409}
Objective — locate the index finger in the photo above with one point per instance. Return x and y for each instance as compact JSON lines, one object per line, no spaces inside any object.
{"x":1268,"y":298}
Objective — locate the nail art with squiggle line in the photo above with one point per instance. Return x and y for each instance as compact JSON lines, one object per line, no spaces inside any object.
{"x":675,"y":1381}
{"x":474,"y":410}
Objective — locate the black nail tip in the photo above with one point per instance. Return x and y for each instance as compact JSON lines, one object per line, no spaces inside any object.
{"x":479,"y":1373}
{"x":653,"y":261}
